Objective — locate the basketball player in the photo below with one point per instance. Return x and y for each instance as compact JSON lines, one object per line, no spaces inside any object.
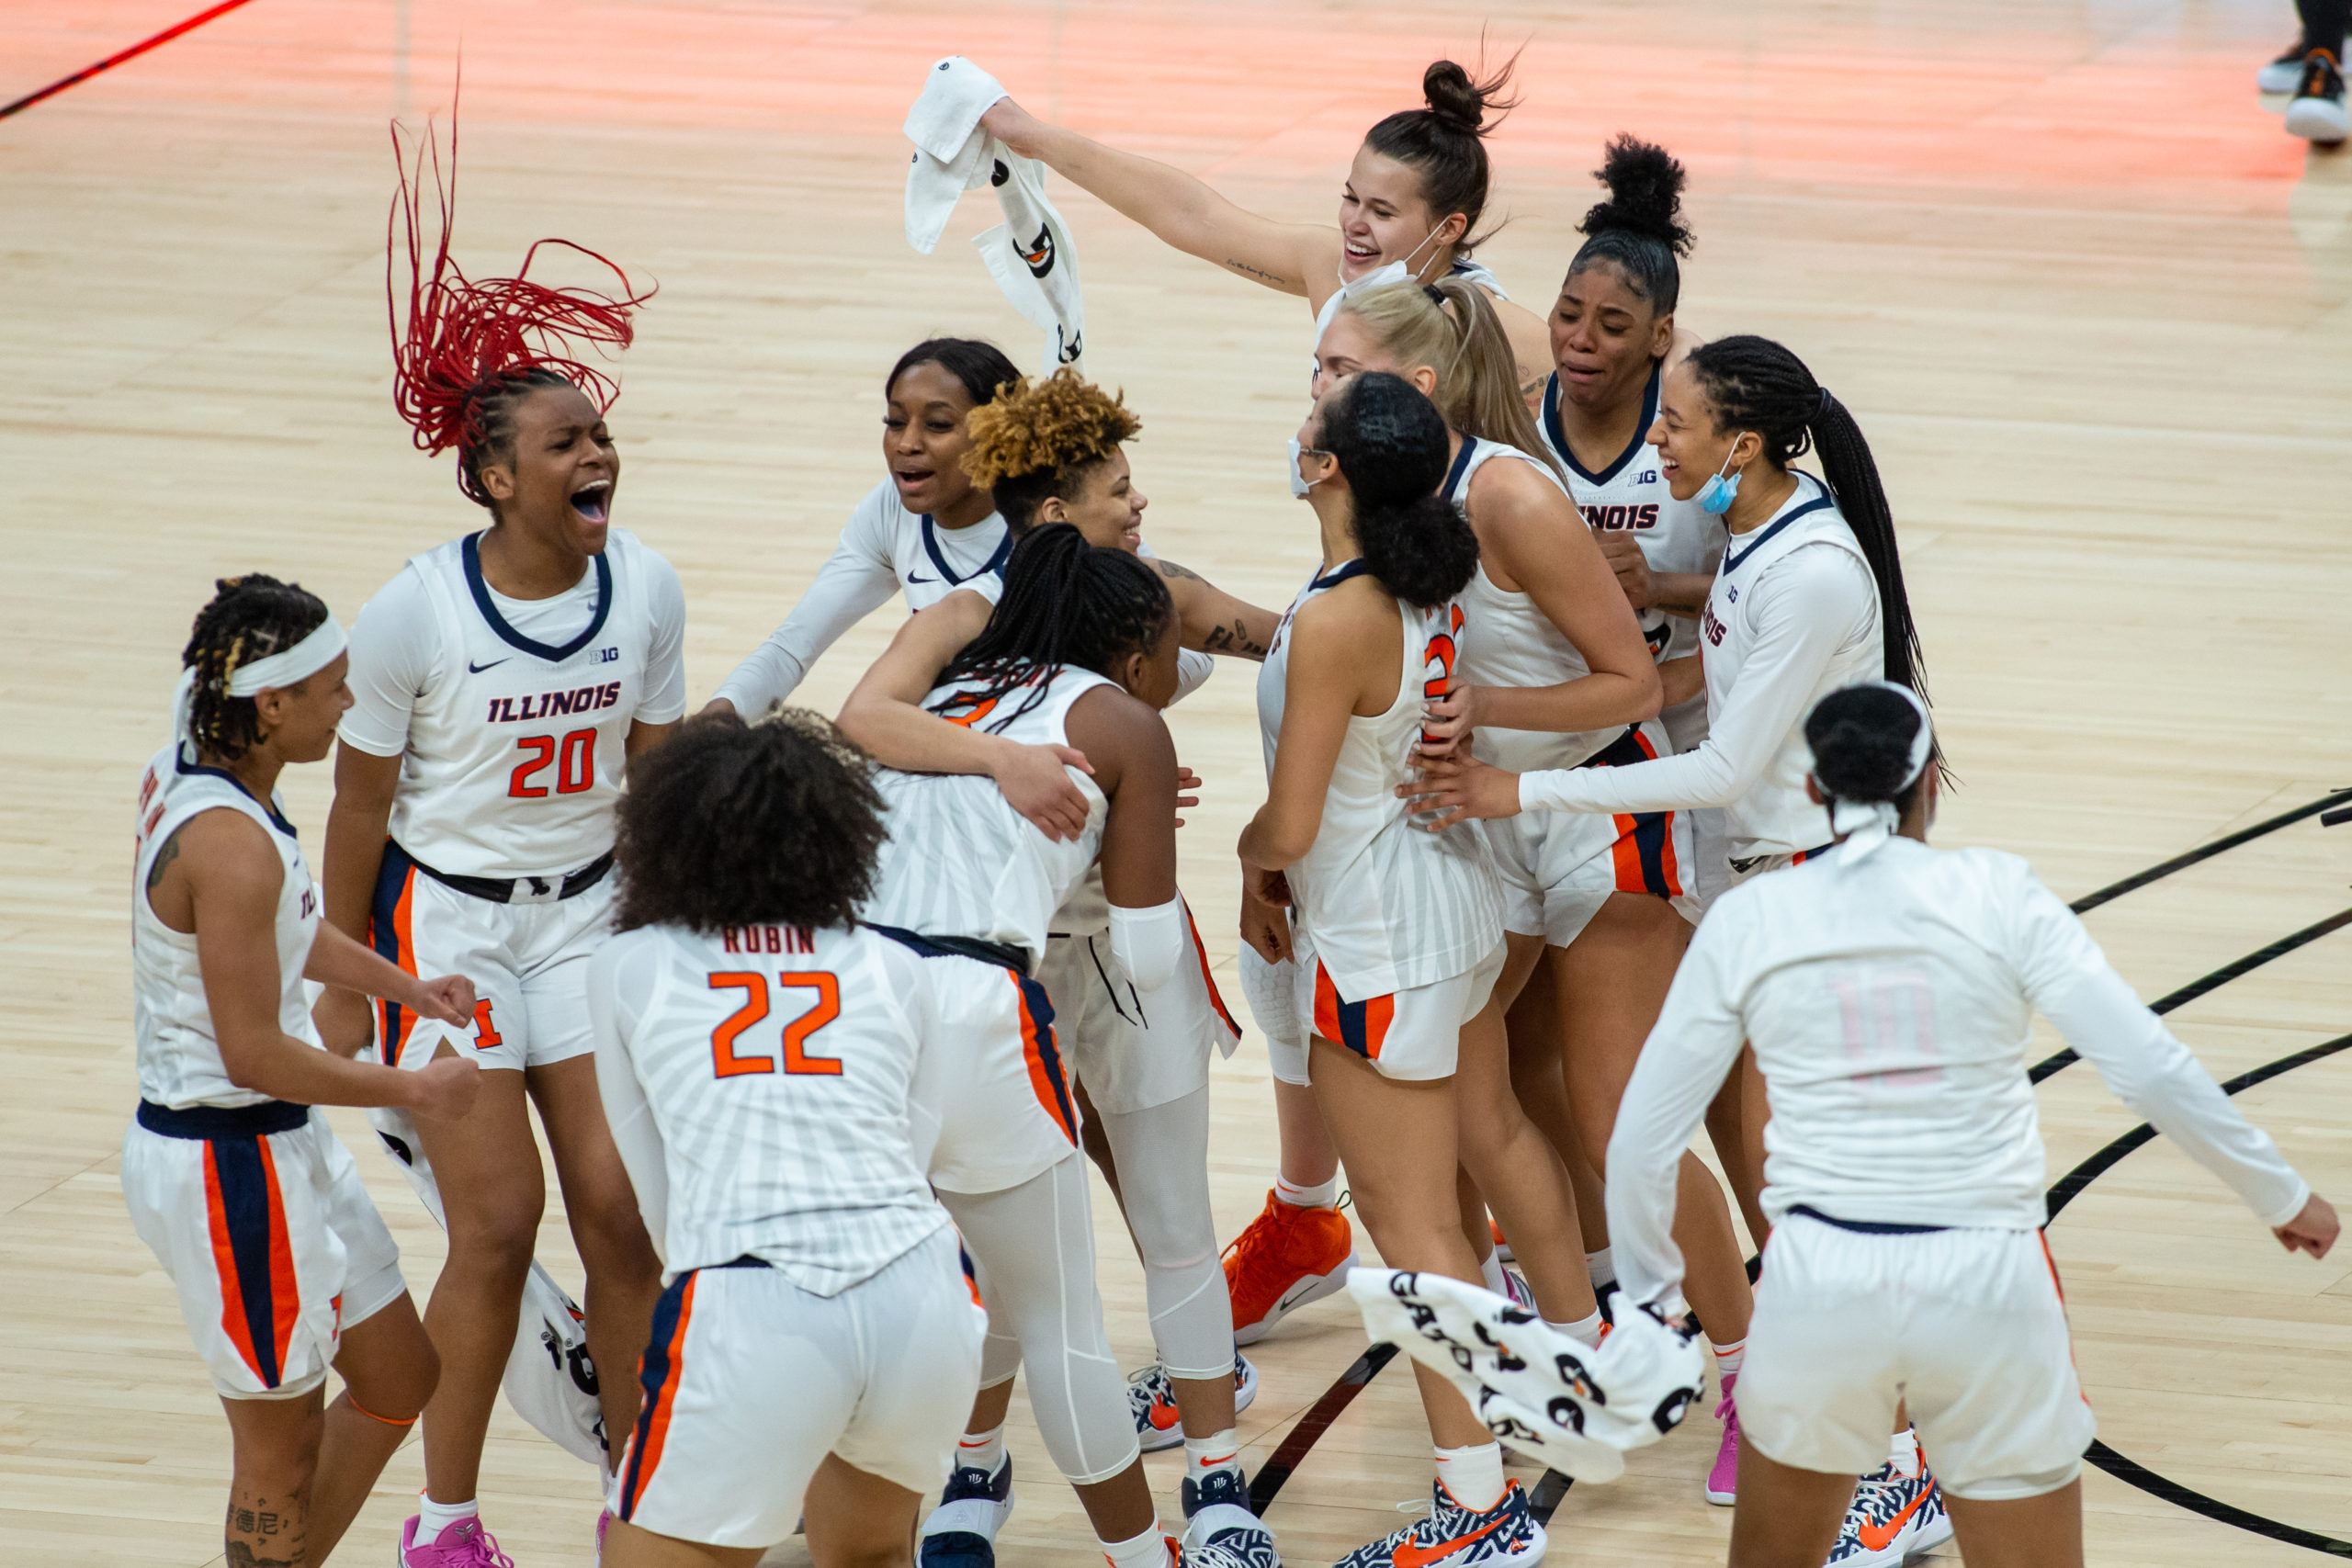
{"x":1079,"y":653}
{"x":817,"y":1346}
{"x":924,"y":531}
{"x":1053,"y":450}
{"x":1395,"y":936}
{"x":1888,"y":989}
{"x":241,"y":1189}
{"x":502,"y":681}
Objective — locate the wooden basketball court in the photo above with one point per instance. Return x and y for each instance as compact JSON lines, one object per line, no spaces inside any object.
{"x":2087,"y":300}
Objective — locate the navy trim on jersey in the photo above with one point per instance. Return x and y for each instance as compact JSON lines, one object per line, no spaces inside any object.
{"x":930,"y":944}
{"x":244,"y":1214}
{"x":384,"y":935}
{"x":1461,"y":467}
{"x":196,"y":1122}
{"x":267,"y":807}
{"x":995,"y":563}
{"x":1553,"y":428}
{"x":1867,"y":1228}
{"x":1734,"y":562}
{"x":1356,"y":568}
{"x":507,"y":633}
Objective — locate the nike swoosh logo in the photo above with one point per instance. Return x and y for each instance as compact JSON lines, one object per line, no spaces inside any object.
{"x":1410,"y":1556}
{"x":911,"y":578}
{"x":1878,"y":1537}
{"x":478,"y":669}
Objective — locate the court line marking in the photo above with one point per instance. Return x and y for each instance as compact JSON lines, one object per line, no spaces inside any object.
{"x":111,"y":61}
{"x":1314,"y":1424}
{"x":2090,"y":902}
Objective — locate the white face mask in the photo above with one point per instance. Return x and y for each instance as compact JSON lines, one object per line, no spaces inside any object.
{"x":1299,"y":483}
{"x":1394,"y":272}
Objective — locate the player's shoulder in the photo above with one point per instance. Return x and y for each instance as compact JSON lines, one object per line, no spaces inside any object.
{"x":630,"y":553}
{"x":878,"y":514}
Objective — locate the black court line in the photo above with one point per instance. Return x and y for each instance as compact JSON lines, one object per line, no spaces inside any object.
{"x":1315,"y":1423}
{"x":2218,"y":978}
{"x":1549,"y":1494}
{"x":111,"y":61}
{"x":2129,"y":1472}
{"x":2206,"y":852}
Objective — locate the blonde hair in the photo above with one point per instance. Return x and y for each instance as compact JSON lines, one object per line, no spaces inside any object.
{"x":1451,"y":326}
{"x":1046,"y":427}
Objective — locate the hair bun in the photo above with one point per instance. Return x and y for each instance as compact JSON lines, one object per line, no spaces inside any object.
{"x":1645,"y":194}
{"x":1454,"y":98}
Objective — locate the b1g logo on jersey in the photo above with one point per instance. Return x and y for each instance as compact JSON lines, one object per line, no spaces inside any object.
{"x":606,"y":656}
{"x":1614,"y":519}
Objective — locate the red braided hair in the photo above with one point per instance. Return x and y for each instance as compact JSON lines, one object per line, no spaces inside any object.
{"x":466,"y":346}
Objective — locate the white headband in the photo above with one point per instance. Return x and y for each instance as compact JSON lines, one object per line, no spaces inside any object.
{"x":1867,"y":824}
{"x":290,"y":665}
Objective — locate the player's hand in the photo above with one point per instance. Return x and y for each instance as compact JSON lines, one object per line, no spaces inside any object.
{"x":449,"y":998}
{"x":1014,"y":126}
{"x":1446,"y":723}
{"x":446,"y":1090}
{"x":1458,"y":789}
{"x":1633,"y":567}
{"x":345,"y":1021}
{"x":1264,"y":895}
{"x":1186,"y":779}
{"x":1036,"y":786}
{"x":2312,"y":1231}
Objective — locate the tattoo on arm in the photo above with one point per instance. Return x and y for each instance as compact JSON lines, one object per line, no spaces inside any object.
{"x":1234,"y":639}
{"x":1530,"y":389}
{"x":1261,"y":274}
{"x":1169,"y":568}
{"x":164,"y":858}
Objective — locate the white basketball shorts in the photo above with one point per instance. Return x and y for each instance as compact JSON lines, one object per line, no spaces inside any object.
{"x":528,"y":963}
{"x":1131,"y":1057}
{"x":750,"y":1381}
{"x":991,"y":1104}
{"x":1414,"y":1033}
{"x":258,"y":1216}
{"x":1559,"y":867}
{"x":1967,"y":1326}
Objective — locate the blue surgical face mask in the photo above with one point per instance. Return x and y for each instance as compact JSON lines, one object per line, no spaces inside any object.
{"x":1715,"y":495}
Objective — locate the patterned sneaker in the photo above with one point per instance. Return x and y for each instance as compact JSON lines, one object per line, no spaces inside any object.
{"x":1723,"y":1481}
{"x":1152,"y":1399}
{"x":1516,"y":1287}
{"x":2282,"y":73}
{"x":463,"y":1545}
{"x":1219,"y":1530}
{"x":961,"y":1531}
{"x":603,"y":1522}
{"x":1287,"y":1259}
{"x":1454,"y":1537}
{"x":2317,"y":113}
{"x":1892,"y":1517}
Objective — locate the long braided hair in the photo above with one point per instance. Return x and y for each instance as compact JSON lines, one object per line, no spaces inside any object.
{"x":1755,"y":384}
{"x":469,"y":352}
{"x":250,"y":617}
{"x":1064,"y":602}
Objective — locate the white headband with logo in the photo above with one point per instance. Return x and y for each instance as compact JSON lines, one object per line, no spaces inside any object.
{"x":287,"y":667}
{"x":1864,"y":825}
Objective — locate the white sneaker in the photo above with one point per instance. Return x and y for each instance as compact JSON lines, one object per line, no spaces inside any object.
{"x":2282,"y":73}
{"x":2317,"y":113}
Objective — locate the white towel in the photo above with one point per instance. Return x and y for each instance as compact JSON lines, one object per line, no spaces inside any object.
{"x":1536,"y":1389}
{"x":1029,"y":254}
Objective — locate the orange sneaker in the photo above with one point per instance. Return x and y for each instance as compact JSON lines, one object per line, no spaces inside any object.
{"x":1287,"y":1259}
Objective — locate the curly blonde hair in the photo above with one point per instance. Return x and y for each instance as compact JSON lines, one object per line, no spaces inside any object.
{"x":1046,"y":427}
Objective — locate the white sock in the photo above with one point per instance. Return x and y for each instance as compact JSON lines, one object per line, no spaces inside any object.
{"x":1601,"y":1267}
{"x":1902,"y":1453}
{"x":433,"y":1517}
{"x":1493,"y":1271}
{"x":1585,"y":1331}
{"x":1149,"y":1550}
{"x":1729,"y":1357}
{"x":1474,"y":1476}
{"x":1220,"y":1450}
{"x":982,"y":1450}
{"x":1322,"y":1195}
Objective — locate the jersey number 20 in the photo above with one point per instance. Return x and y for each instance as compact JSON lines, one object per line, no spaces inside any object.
{"x":724,"y":1060}
{"x":573,"y":759}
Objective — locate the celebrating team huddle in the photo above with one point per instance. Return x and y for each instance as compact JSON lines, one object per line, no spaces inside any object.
{"x":1599,"y":775}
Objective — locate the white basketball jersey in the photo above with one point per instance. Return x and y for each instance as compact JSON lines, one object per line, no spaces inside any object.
{"x":1774,"y":817}
{"x":930,"y":561}
{"x":1387,"y":906}
{"x":1631,"y":496}
{"x":179,"y":1056}
{"x":1517,"y":644}
{"x":960,"y":861}
{"x":1193,"y":667}
{"x":778,"y":1065}
{"x":517,"y":748}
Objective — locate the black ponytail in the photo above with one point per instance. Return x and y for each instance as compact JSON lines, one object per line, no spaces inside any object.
{"x":1755,"y":384}
{"x":1862,"y":738}
{"x":1639,"y":230}
{"x":1446,"y":141}
{"x":981,"y":367}
{"x":1064,"y":602}
{"x":1390,"y":445}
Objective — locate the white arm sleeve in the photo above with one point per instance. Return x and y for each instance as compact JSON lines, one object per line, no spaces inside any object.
{"x":2070,"y":980}
{"x":665,"y":655}
{"x":393,"y":655}
{"x":1682,"y":1065}
{"x":858,"y":579}
{"x":1148,"y":943}
{"x":626,"y":1111}
{"x":1805,"y":606}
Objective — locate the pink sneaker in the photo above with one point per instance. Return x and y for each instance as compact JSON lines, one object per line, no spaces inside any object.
{"x":603,"y":1522}
{"x":463,"y":1545}
{"x":1723,"y":1481}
